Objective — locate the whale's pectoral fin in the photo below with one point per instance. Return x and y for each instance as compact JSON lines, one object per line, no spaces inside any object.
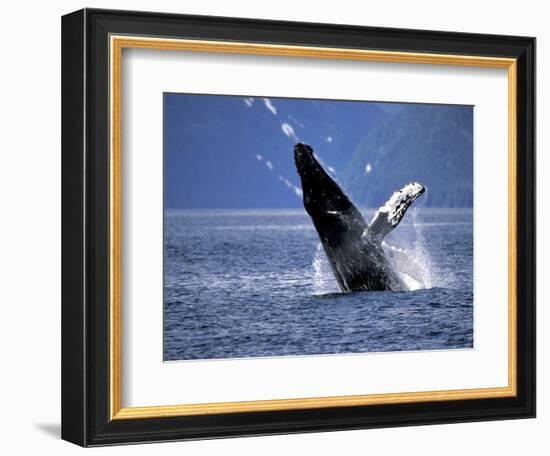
{"x":391,"y":213}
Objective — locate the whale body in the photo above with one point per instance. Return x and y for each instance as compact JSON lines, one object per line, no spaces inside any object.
{"x":353,"y":248}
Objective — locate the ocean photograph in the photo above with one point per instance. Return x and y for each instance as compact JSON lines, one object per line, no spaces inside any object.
{"x":297,"y":227}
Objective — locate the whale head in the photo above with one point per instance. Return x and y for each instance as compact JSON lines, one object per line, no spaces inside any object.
{"x":320,"y":192}
{"x":307,"y":164}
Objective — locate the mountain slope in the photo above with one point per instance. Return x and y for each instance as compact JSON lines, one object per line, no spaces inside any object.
{"x":427,"y":143}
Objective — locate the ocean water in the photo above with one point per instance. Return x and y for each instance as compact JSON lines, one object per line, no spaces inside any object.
{"x":256,"y":283}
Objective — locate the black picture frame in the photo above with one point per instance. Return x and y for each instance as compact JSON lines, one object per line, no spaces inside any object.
{"x":85,"y":228}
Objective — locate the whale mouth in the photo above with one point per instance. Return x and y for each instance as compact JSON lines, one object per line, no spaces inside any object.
{"x":400,"y":201}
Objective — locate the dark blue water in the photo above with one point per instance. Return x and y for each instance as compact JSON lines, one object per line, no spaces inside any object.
{"x":256,"y":283}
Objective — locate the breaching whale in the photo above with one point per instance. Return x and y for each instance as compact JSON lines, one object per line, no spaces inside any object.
{"x":354,"y":248}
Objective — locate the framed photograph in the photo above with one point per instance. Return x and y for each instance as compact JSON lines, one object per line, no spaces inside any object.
{"x":278,"y":227}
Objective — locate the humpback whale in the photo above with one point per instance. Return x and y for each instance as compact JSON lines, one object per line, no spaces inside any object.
{"x":353,"y":248}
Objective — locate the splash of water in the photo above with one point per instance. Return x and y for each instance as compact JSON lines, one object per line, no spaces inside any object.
{"x":323,"y":278}
{"x":427,"y":274}
{"x":414,"y":266}
{"x":435,"y":276}
{"x":420,"y":253}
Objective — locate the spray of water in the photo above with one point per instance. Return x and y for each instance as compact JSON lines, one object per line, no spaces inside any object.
{"x":323,"y":279}
{"x":420,"y":254}
{"x":425,"y":273}
{"x":414,"y":265}
{"x":434,"y":276}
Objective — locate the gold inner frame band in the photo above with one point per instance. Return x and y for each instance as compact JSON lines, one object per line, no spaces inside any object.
{"x":117,"y":44}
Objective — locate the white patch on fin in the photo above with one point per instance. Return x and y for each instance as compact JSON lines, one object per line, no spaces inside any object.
{"x":391,"y":213}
